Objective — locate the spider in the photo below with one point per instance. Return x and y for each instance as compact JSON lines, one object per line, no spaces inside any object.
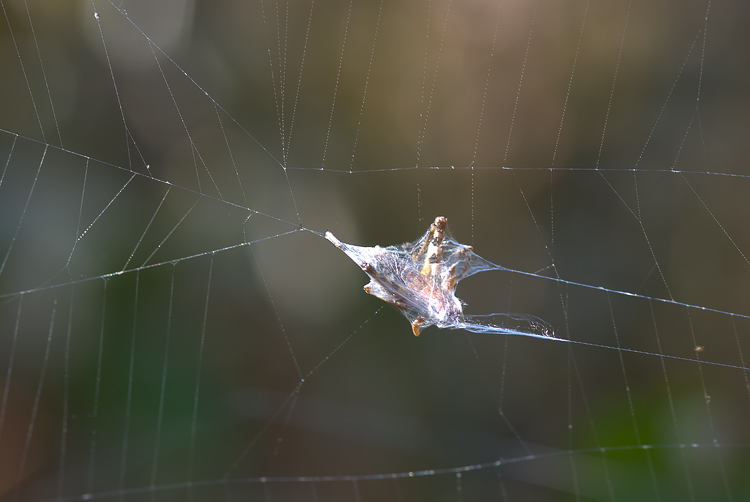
{"x":419,"y":278}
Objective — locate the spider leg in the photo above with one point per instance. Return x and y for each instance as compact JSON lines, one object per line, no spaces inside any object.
{"x":378,"y":291}
{"x":423,"y":247}
{"x":364,"y":265}
{"x":332,"y":238}
{"x":416,"y":325}
{"x":455,"y":275}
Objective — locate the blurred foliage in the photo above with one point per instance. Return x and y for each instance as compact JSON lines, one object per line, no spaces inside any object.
{"x":241,"y":122}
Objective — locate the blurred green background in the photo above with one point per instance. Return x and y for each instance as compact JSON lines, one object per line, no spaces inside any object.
{"x":163,"y":161}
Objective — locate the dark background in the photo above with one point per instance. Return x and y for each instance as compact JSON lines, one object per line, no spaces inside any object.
{"x":249,"y":151}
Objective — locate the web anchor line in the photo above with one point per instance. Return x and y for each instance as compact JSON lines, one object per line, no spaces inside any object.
{"x":498,"y":268}
{"x":321,"y":234}
{"x":369,"y":171}
{"x":393,"y":475}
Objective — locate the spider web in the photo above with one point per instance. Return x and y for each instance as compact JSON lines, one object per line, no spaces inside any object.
{"x":175,"y":325}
